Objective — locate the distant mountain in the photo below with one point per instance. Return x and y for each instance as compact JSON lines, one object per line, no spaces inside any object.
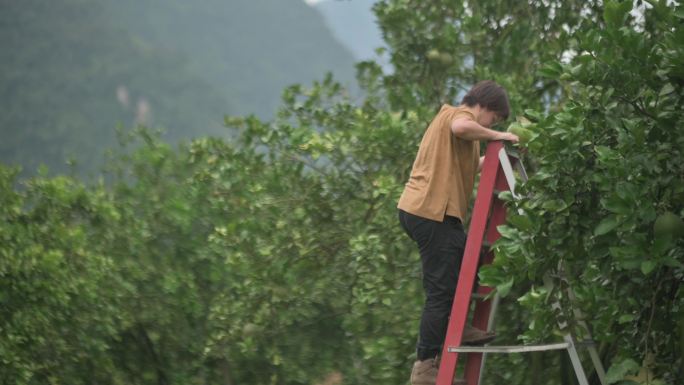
{"x":73,"y":69}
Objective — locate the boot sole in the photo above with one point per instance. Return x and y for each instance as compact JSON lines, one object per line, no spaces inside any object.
{"x":480,"y":341}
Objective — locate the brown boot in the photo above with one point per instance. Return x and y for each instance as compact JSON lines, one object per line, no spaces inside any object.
{"x":474,"y":336}
{"x":425,"y":373}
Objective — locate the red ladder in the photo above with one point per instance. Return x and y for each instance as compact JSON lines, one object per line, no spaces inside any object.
{"x":488,"y":213}
{"x":492,"y":179}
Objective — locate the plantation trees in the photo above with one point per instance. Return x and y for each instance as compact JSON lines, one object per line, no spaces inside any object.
{"x":278,"y":258}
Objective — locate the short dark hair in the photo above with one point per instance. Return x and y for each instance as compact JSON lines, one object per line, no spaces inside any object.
{"x":488,"y":95}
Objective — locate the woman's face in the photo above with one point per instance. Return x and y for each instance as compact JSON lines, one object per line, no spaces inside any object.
{"x":488,"y":118}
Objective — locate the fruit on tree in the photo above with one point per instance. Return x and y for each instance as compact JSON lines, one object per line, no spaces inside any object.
{"x":445,"y":58}
{"x":433,"y":55}
{"x":523,"y":133}
{"x":670,"y":224}
{"x":250,"y":329}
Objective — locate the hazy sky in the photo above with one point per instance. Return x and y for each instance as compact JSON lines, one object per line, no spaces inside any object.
{"x":354,"y":24}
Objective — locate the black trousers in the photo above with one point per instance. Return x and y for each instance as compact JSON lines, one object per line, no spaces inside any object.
{"x":441,"y":246}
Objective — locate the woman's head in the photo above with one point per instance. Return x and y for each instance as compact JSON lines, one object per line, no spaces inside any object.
{"x":491,"y":97}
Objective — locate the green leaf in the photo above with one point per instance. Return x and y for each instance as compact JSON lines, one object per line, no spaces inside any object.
{"x":607,"y":225}
{"x":522,"y":222}
{"x":505,"y":288}
{"x":615,"y":12}
{"x":533,"y":114}
{"x":618,"y":371}
{"x":679,"y":13}
{"x":604,"y":153}
{"x":661,"y":244}
{"x":506,"y":231}
{"x":506,"y":196}
{"x":555,"y":205}
{"x":490,"y":275}
{"x":667,"y":89}
{"x":551,"y":70}
{"x":669,"y":261}
{"x":615,"y":204}
{"x":648,"y":266}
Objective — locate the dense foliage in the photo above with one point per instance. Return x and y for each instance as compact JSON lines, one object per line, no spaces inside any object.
{"x":278,"y":258}
{"x":607,"y":165}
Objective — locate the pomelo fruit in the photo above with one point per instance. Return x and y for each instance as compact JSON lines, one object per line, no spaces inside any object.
{"x":250,"y":329}
{"x":445,"y":58}
{"x":523,"y":133}
{"x":668,"y":223}
{"x":433,"y":55}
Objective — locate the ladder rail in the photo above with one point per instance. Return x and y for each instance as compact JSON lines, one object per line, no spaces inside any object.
{"x":483,"y":309}
{"x":466,"y":279}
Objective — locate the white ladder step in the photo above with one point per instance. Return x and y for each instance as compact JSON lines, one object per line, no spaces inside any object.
{"x":508,"y":348}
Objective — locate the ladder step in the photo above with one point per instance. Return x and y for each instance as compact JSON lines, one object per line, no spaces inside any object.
{"x":508,"y":348}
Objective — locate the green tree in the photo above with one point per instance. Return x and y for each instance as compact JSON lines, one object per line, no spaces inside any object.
{"x":59,"y":299}
{"x":606,"y":166}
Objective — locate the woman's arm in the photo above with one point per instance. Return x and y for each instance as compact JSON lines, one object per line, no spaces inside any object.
{"x":470,"y":130}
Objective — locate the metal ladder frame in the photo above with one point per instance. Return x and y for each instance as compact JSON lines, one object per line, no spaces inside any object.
{"x":497,"y":175}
